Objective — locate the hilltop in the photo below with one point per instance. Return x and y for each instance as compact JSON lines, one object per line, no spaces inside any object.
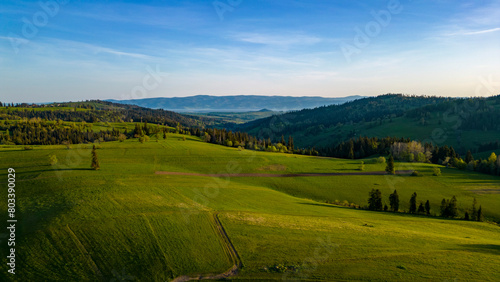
{"x":97,"y":110}
{"x":464,"y":123}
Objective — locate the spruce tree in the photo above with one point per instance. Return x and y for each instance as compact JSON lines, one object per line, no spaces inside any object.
{"x":95,"y":161}
{"x":421,"y":208}
{"x":375,"y":200}
{"x":444,"y":206}
{"x":474,"y":209}
{"x":427,"y":207}
{"x":453,"y":207}
{"x":469,"y":157}
{"x":390,"y":166}
{"x":413,"y":203}
{"x":394,"y":201}
{"x":480,"y":216}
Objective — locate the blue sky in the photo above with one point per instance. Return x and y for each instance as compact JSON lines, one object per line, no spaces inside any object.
{"x":81,"y":50}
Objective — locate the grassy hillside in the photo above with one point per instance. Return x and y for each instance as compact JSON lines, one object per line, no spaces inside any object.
{"x":124,"y":221}
{"x":462,"y":123}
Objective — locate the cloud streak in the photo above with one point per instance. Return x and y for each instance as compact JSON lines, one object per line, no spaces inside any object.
{"x":277,"y":39}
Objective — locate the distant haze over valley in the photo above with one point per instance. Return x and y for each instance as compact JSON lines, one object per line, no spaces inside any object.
{"x":239,"y":103}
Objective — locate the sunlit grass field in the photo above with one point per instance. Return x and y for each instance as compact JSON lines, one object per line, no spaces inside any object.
{"x":126,"y":222}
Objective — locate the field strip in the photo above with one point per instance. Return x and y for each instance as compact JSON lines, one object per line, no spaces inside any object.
{"x":233,"y":253}
{"x":229,"y":248}
{"x":157,"y":240}
{"x":82,"y":249}
{"x":400,"y":172}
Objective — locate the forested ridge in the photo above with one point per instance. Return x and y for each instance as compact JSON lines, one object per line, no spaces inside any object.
{"x":389,"y":115}
{"x":96,"y":110}
{"x":362,"y":110}
{"x":72,"y":123}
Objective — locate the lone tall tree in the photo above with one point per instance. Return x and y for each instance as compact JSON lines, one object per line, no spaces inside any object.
{"x":95,"y":161}
{"x":413,"y":203}
{"x":474,"y":209}
{"x":390,"y":166}
{"x":480,"y":216}
{"x":394,"y":201}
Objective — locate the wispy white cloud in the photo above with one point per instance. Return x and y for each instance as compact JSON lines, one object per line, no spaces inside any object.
{"x":277,"y":39}
{"x":92,"y":49}
{"x":15,"y":39}
{"x":482,"y":31}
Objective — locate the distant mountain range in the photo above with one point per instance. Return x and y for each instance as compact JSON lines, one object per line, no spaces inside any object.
{"x":239,"y":103}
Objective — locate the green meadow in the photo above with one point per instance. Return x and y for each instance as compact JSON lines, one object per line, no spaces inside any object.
{"x":125,"y":222}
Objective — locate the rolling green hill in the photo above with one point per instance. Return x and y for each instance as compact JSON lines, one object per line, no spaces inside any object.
{"x":101,"y":111}
{"x":465,"y":124}
{"x":125,"y":221}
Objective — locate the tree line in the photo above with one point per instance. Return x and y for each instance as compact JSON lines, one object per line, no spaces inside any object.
{"x":448,"y":207}
{"x":404,"y":149}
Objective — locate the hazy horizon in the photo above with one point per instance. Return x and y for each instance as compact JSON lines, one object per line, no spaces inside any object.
{"x":73,"y":51}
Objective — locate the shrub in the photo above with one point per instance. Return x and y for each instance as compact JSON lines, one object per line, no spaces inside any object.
{"x":362,"y":166}
{"x":381,"y":160}
{"x":416,"y":173}
{"x":28,"y":148}
{"x":53,"y":160}
{"x":436,"y":171}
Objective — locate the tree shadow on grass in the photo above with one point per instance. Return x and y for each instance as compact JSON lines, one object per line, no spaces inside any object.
{"x":481,"y":248}
{"x":389,"y":213}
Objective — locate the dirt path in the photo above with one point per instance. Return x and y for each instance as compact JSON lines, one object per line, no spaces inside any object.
{"x":230,"y":251}
{"x":280,"y":174}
